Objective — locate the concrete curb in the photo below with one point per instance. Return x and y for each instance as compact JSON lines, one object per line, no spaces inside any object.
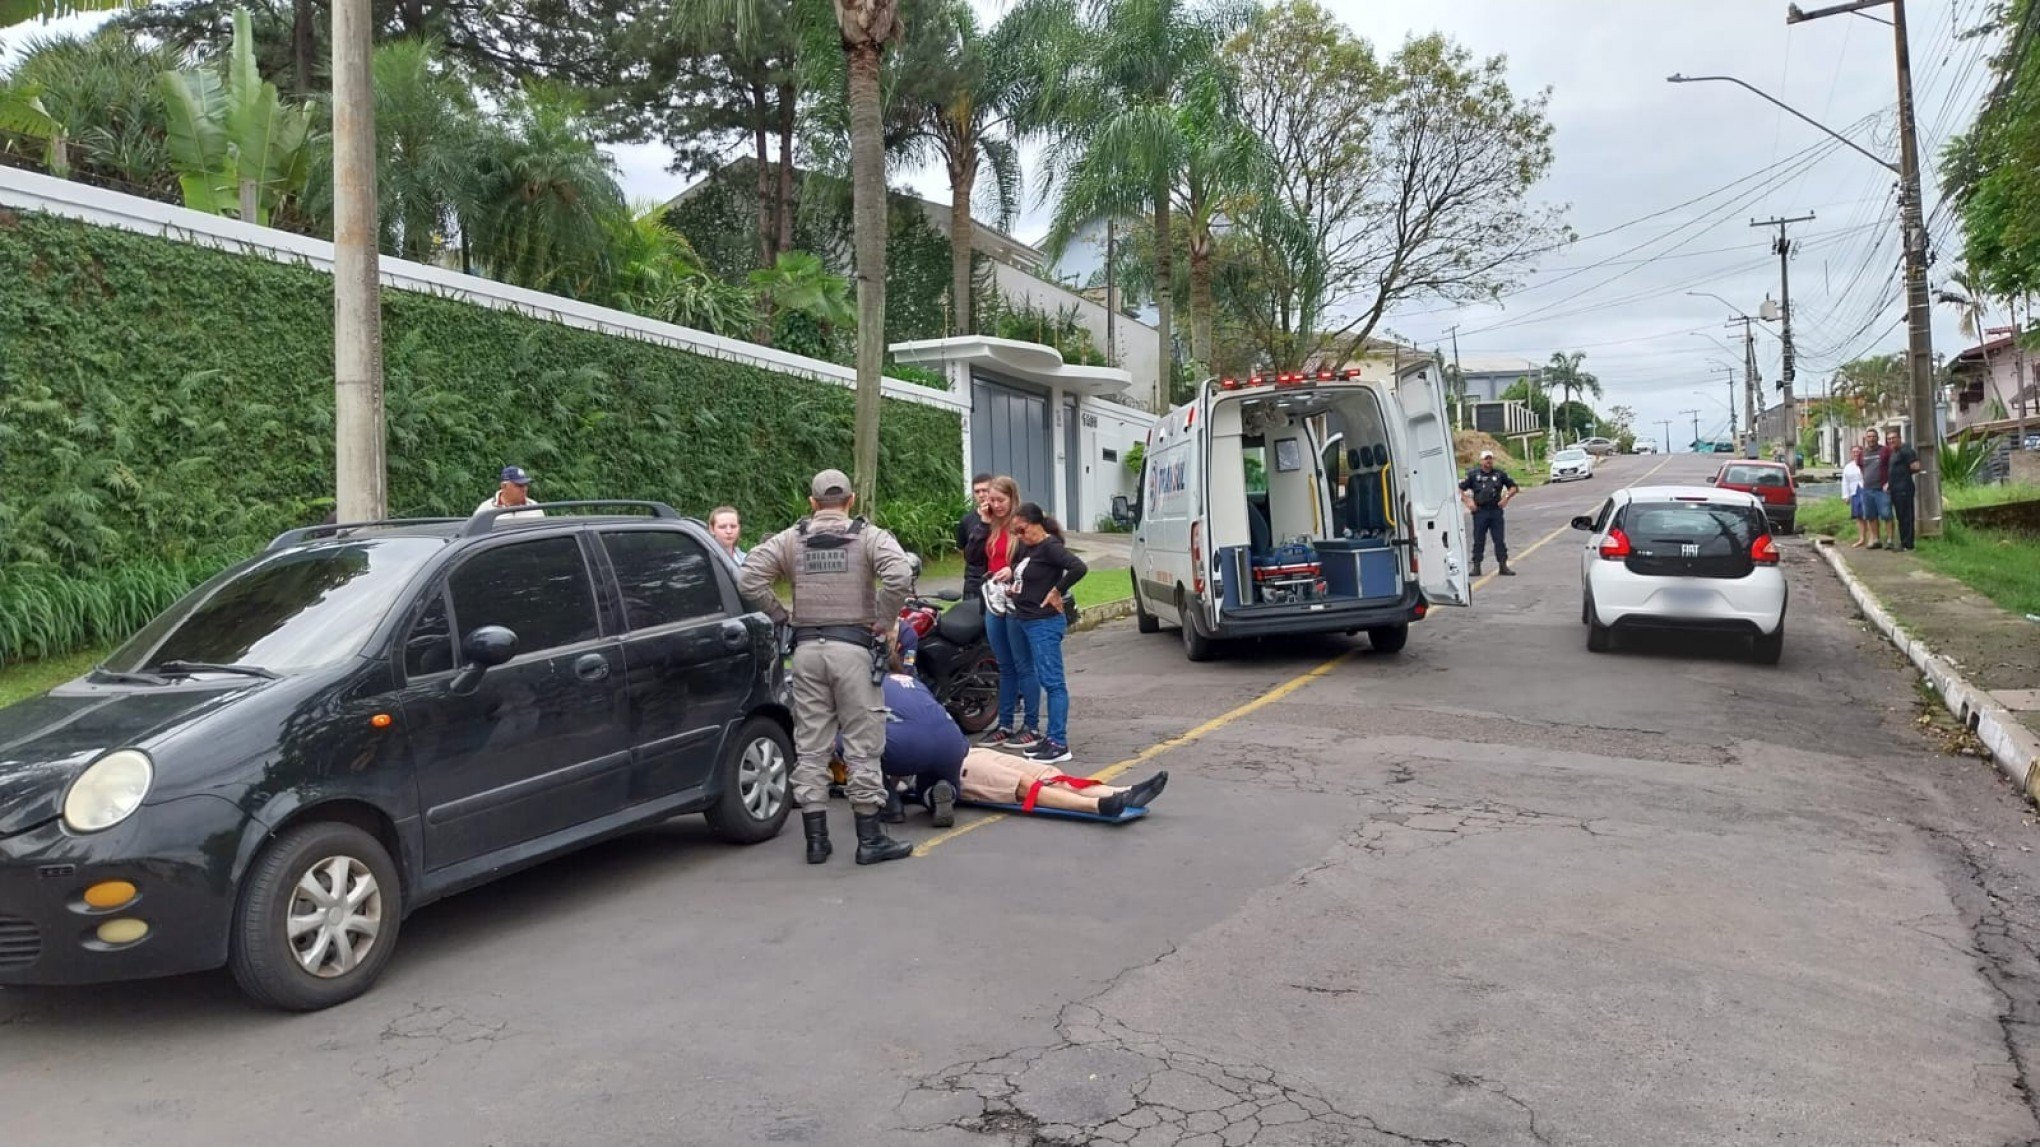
{"x":2013,"y":746}
{"x":1090,"y":617}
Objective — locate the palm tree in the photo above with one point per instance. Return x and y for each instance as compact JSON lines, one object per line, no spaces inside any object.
{"x":101,"y":110}
{"x":1970,"y":302}
{"x":14,"y":12}
{"x":961,"y":85}
{"x":547,"y":197}
{"x":1565,"y":374}
{"x":867,"y":27}
{"x":1123,"y":89}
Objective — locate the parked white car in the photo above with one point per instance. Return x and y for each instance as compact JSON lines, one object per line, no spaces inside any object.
{"x":1570,"y":463}
{"x":1643,"y":446}
{"x":1682,"y":557}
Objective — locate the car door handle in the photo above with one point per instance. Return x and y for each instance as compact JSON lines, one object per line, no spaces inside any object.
{"x":591,"y":667}
{"x":735,"y":635}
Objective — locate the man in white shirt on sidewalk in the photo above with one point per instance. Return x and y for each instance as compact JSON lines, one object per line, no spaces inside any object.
{"x":514,"y":491}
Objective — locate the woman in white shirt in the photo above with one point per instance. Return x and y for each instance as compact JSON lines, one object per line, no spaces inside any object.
{"x":1852,"y":491}
{"x":727,"y":527}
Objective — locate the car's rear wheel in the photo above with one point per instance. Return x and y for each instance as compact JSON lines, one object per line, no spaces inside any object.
{"x":1144,"y":621}
{"x":1769,"y":648}
{"x":1600,"y":638}
{"x":1388,"y":638}
{"x":1196,"y":646}
{"x":757,"y":774}
{"x":317,"y":920}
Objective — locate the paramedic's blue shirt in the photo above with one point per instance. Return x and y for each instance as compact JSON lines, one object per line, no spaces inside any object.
{"x":920,"y":738}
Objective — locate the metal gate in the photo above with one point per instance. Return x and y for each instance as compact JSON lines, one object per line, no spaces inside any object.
{"x":1073,"y":467}
{"x":1010,"y":433}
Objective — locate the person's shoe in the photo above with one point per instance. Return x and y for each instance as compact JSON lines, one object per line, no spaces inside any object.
{"x":1139,"y":796}
{"x":1476,"y":569}
{"x":895,"y":810}
{"x":1505,"y":571}
{"x":1025,"y":741}
{"x":1876,"y":545}
{"x":942,"y":804}
{"x":874,"y":846}
{"x":1048,"y":753}
{"x":816,"y":826}
{"x":996,"y":739}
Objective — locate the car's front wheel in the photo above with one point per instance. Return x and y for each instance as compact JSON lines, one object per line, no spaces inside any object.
{"x":317,"y":919}
{"x":1144,"y":621}
{"x":756,"y":783}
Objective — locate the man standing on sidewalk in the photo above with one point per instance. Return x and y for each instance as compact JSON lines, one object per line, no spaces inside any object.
{"x":1486,"y":491}
{"x":1901,"y":463}
{"x":1876,"y":499}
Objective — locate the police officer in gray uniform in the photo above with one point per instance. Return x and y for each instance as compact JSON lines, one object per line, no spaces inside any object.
{"x":840,"y":624}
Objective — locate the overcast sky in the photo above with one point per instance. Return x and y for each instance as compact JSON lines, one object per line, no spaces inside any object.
{"x":1662,"y":182}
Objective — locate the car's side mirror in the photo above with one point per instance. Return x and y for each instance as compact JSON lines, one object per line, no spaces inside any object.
{"x":484,"y":649}
{"x":1583,"y":522}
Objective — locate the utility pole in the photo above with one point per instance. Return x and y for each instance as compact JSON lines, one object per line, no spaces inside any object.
{"x":1459,"y":378}
{"x":1783,"y":246}
{"x":1111,"y":293}
{"x":1667,"y":424}
{"x":361,"y":484}
{"x":1696,"y":430}
{"x":1926,"y":423}
{"x":1731,"y":401}
{"x":1752,"y":387}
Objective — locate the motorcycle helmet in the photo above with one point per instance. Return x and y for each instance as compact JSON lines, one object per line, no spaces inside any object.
{"x":996,"y":599}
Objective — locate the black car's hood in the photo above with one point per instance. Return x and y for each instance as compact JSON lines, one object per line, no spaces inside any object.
{"x":47,"y":741}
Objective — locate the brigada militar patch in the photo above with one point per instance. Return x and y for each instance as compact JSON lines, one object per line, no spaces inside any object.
{"x":818,"y":561}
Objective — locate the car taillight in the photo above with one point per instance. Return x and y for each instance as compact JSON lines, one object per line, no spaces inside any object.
{"x":1764,"y":551}
{"x":1615,"y":547}
{"x":1197,"y":558}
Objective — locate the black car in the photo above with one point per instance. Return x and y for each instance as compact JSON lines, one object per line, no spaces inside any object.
{"x":365,"y":718}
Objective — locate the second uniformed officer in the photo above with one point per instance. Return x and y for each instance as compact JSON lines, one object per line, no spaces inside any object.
{"x":1486,"y":490}
{"x":849,"y":581}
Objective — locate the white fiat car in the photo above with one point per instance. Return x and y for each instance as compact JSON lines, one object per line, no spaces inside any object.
{"x":1682,"y":557}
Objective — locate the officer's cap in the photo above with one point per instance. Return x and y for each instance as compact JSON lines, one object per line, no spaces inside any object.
{"x":1486,"y":454}
{"x":830,"y":484}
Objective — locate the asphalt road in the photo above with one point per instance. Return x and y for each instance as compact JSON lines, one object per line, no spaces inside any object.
{"x":1493,"y":890}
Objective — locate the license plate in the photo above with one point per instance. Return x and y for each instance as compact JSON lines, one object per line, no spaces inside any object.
{"x":1688,"y":598}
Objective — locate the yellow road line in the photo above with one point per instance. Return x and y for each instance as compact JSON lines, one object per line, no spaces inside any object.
{"x":1228,"y":717}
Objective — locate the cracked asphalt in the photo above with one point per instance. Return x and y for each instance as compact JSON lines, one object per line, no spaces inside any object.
{"x":1492,"y":890}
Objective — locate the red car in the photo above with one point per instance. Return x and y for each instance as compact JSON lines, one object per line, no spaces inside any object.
{"x":1771,"y":483}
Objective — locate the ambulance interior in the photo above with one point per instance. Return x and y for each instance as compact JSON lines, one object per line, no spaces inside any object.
{"x":1303,"y":500}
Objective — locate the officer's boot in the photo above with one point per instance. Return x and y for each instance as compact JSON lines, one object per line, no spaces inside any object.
{"x":895,"y":811}
{"x":873,"y":845}
{"x":1505,"y":571}
{"x":816,"y":825}
{"x":1476,"y":567}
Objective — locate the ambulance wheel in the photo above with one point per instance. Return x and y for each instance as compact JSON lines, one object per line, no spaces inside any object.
{"x":1196,"y":646}
{"x":1143,"y":620}
{"x":1389,"y":638}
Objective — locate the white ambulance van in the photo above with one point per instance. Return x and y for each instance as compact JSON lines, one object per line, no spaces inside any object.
{"x":1311,"y":502}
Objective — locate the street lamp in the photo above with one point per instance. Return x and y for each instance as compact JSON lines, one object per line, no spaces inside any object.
{"x":1912,"y":213}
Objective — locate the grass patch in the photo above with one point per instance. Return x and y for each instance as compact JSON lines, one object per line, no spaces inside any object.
{"x":25,"y":679}
{"x":1831,"y":515}
{"x":1101,"y":586}
{"x":2000,"y":565}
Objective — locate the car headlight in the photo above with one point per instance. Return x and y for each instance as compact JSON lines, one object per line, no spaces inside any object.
{"x":108,"y":791}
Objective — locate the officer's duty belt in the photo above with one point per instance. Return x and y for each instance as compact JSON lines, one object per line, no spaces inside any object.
{"x":849,"y":634}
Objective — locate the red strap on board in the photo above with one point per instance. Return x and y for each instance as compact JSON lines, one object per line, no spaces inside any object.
{"x":1034,"y":790}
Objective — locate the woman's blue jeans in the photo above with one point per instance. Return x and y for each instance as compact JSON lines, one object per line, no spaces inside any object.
{"x":1019,"y":692}
{"x":1045,"y":642}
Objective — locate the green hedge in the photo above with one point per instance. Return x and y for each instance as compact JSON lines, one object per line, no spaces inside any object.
{"x":167,"y":408}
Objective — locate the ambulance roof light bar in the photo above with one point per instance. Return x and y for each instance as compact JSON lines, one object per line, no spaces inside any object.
{"x":1289,"y":378}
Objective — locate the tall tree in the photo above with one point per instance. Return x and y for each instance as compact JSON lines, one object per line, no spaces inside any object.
{"x":14,"y":12}
{"x":1565,"y":376}
{"x":548,"y":198}
{"x":1121,"y":91}
{"x":1399,"y":179}
{"x":1992,"y":172}
{"x":867,"y":27}
{"x":959,"y":87}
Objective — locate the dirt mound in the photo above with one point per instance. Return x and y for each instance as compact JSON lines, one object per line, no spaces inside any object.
{"x":1468,"y":444}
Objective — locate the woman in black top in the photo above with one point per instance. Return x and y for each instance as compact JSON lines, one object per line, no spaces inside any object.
{"x":1043,"y":571}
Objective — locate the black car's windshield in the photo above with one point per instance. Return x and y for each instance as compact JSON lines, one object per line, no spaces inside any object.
{"x":292,"y":610}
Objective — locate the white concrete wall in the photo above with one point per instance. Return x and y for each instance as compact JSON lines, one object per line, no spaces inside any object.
{"x":28,"y":191}
{"x":1138,"y":343}
{"x":1107,"y":426}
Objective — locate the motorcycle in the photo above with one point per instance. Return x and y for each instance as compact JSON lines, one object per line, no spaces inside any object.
{"x":954,"y":658}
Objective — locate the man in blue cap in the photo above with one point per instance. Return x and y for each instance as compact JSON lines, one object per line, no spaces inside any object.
{"x":515,"y":490}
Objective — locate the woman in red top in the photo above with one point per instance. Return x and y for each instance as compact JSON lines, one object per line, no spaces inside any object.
{"x":1019,"y":692}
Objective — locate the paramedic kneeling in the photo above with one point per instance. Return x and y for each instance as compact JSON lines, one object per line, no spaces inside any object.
{"x":1486,"y":491}
{"x":923,"y":750}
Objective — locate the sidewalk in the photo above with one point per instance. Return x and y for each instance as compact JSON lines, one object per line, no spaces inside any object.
{"x":1985,"y":648}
